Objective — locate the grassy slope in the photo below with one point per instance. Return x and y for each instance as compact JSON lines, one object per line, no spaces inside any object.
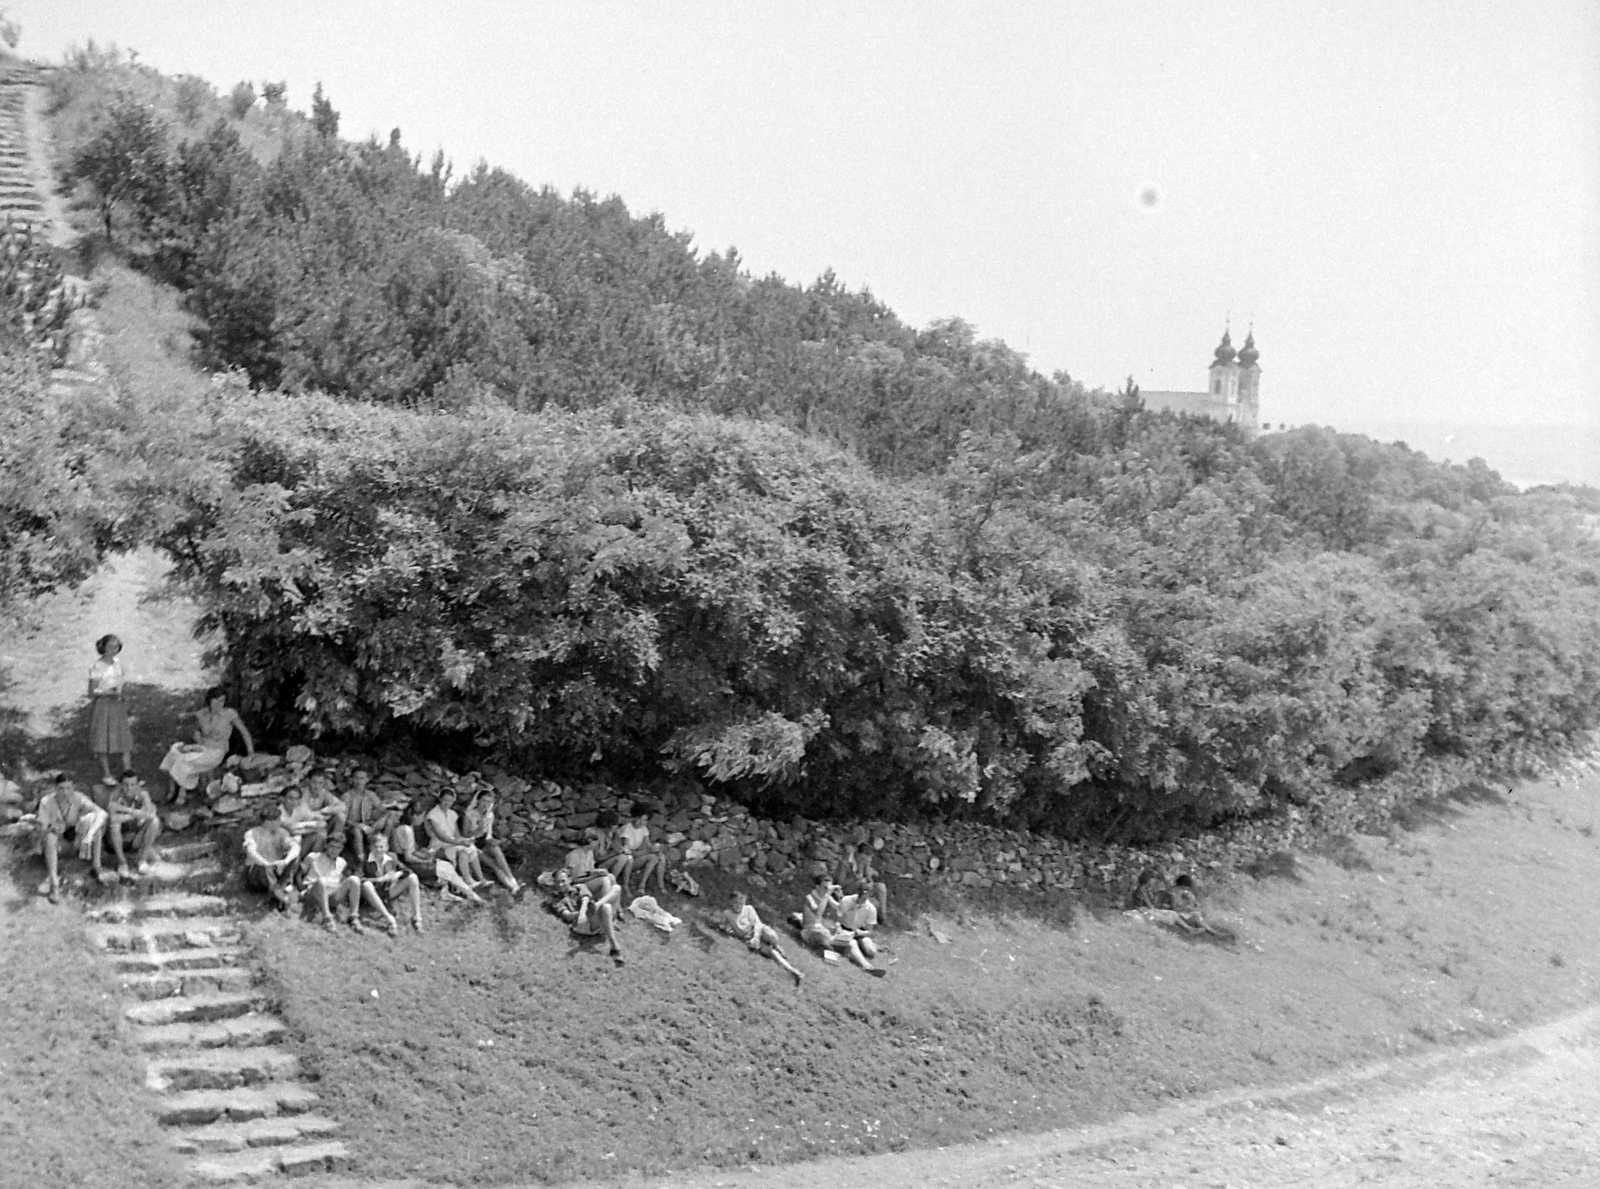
{"x":496,"y":1050}
{"x":697,"y":1051}
{"x":71,"y":1111}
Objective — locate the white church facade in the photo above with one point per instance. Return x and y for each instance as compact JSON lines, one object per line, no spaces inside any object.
{"x":1233,"y":391}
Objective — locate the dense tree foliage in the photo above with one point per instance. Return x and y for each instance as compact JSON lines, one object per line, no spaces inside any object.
{"x":541,"y":477}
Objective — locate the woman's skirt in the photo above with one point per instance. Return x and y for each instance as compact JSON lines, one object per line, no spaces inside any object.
{"x":108,"y":726}
{"x":186,"y":763}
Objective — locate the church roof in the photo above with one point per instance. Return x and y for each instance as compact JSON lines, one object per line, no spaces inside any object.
{"x":1206,"y":404}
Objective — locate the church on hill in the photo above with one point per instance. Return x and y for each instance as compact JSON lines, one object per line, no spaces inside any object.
{"x":1234,"y":391}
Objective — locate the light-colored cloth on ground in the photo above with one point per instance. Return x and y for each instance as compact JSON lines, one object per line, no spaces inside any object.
{"x":186,"y":763}
{"x":646,"y":909}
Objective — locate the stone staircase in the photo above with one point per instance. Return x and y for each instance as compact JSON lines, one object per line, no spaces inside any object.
{"x":228,"y":1091}
{"x":19,"y":200}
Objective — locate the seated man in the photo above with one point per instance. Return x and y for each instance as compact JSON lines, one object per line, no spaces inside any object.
{"x":270,"y":851}
{"x":859,"y":915}
{"x":66,"y":814}
{"x":746,"y":925}
{"x":477,"y":826}
{"x":321,"y":798}
{"x":130,"y":807}
{"x":444,"y":832}
{"x":855,"y":874}
{"x":384,"y":881}
{"x":636,"y":853}
{"x":590,"y":907}
{"x":363,"y":814}
{"x":580,"y":861}
{"x":302,"y":821}
{"x":816,"y":929}
{"x":324,"y":879}
{"x":399,"y":821}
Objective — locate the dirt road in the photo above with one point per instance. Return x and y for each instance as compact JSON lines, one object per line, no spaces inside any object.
{"x":1524,"y":1110}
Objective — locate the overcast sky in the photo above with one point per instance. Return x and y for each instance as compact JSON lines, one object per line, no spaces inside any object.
{"x":1403,"y":196}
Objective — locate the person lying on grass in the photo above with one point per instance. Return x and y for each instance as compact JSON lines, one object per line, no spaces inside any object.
{"x":446,"y":841}
{"x":324,"y":881}
{"x":131,"y":808}
{"x":636,"y":854}
{"x":590,"y":907}
{"x":270,"y":853}
{"x":477,"y":826}
{"x":401,"y":824}
{"x":385,"y":881}
{"x":363,"y":814}
{"x":745,"y":924}
{"x":819,"y":926}
{"x":68,"y":815}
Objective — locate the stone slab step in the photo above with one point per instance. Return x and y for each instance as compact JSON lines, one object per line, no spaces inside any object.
{"x":258,"y":1133}
{"x":256,"y":1163}
{"x":163,"y":871}
{"x":253,"y":1029}
{"x":196,"y":958}
{"x":196,"y":1009}
{"x":167,"y":984}
{"x":186,"y":852}
{"x":221,"y":1069}
{"x":163,"y":904}
{"x":164,"y":933}
{"x":198,"y":1107}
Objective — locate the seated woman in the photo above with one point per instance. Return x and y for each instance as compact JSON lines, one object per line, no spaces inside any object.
{"x":590,"y":907}
{"x":215,"y":723}
{"x":477,"y":826}
{"x":324,"y":879}
{"x":385,"y":879}
{"x":401,"y":824}
{"x":446,"y":841}
{"x":636,"y":853}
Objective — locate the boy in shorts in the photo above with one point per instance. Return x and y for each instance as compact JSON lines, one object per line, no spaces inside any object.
{"x":65,"y":814}
{"x":824,"y":934}
{"x":130,"y":807}
{"x":270,"y":851}
{"x":590,"y":907}
{"x":763,"y":939}
{"x":385,"y":880}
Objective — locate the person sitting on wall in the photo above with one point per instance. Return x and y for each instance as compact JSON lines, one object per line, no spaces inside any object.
{"x":477,"y":826}
{"x":325,"y":880}
{"x":308,"y":826}
{"x":130,"y":807}
{"x":855,"y":874}
{"x":590,"y":907}
{"x":386,"y":881}
{"x":320,"y":796}
{"x":637,"y":854}
{"x":402,"y":820}
{"x":745,"y":924}
{"x":270,"y":852}
{"x":446,"y":842}
{"x":363,"y":814}
{"x":819,"y":928}
{"x":68,"y":815}
{"x":215,"y":724}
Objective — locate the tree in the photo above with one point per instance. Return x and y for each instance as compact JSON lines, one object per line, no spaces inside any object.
{"x":125,"y":159}
{"x":323,"y":118}
{"x":241,"y":99}
{"x":273,"y":94}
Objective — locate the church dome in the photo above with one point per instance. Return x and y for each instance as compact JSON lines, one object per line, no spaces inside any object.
{"x":1248,"y":355}
{"x":1224,"y":352}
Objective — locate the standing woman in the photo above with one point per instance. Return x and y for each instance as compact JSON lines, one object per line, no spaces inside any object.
{"x":108,"y":720}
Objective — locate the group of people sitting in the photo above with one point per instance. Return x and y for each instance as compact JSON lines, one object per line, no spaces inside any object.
{"x":66,"y":815}
{"x":397,"y":846}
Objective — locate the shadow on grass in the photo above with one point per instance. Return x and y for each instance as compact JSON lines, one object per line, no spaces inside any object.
{"x":158,"y":716}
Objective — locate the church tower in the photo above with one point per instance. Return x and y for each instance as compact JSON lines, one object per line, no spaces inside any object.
{"x":1225,"y":380}
{"x":1249,"y":386}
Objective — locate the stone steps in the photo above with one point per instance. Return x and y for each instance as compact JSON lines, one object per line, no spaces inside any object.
{"x":186,"y":852}
{"x":164,"y":933}
{"x":167,"y":904}
{"x":258,"y":1133}
{"x":255,"y":1163}
{"x":193,"y":958}
{"x":167,"y":984}
{"x":253,"y":1029}
{"x":221,"y":1069}
{"x":191,"y":1108}
{"x":197,"y":1009}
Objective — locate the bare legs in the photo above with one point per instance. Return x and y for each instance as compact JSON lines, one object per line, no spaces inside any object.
{"x":144,"y":839}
